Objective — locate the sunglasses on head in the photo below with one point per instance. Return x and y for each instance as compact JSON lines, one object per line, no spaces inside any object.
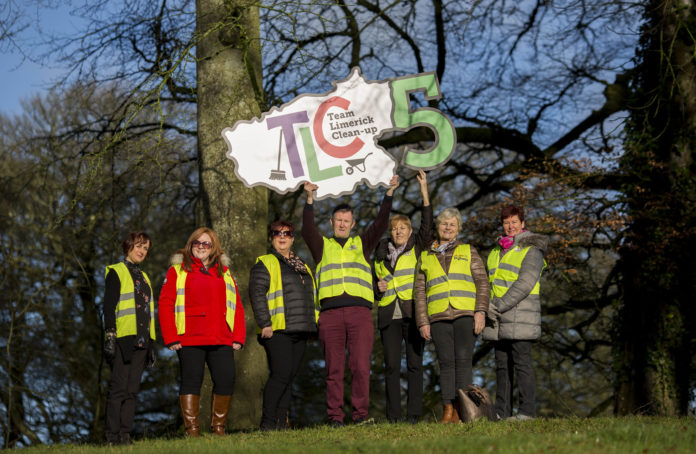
{"x":282,"y":233}
{"x":203,"y":244}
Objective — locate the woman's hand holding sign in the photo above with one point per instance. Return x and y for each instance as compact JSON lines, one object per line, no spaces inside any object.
{"x":393,"y":184}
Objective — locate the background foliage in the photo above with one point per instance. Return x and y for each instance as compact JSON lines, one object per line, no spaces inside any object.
{"x":555,"y":105}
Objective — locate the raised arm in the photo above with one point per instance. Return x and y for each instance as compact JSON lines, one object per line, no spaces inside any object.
{"x":375,"y":231}
{"x":423,"y":182}
{"x":425,"y":231}
{"x":310,"y":234}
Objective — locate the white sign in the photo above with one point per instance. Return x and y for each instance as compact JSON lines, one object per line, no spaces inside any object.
{"x":331,"y":139}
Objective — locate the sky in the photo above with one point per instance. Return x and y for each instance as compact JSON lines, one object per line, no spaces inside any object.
{"x":20,"y":77}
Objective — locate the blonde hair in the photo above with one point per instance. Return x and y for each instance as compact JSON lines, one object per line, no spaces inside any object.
{"x":449,"y":213}
{"x":399,"y":218}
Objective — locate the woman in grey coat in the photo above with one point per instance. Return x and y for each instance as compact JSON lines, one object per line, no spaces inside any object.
{"x":514,"y":271}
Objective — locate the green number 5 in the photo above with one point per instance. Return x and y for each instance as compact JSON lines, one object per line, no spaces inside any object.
{"x":405,"y":119}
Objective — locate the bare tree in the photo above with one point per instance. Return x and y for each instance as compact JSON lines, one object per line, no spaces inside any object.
{"x":72,"y":186}
{"x":656,"y":329}
{"x":228,"y":89}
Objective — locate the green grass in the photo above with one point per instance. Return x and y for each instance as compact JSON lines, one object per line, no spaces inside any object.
{"x":597,"y":435}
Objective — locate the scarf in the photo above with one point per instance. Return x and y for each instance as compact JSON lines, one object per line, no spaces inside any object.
{"x":506,"y":242}
{"x":442,"y":248}
{"x":296,"y":263}
{"x":394,"y":253}
{"x":141,"y":287}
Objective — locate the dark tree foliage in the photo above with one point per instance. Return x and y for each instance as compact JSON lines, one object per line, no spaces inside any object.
{"x":73,"y":184}
{"x":656,"y":330}
{"x":554,"y":110}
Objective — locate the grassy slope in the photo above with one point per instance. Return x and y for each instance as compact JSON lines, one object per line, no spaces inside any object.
{"x":598,"y":435}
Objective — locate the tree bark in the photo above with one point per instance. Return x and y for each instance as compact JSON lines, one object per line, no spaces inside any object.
{"x":228,"y":80}
{"x":655,"y":325}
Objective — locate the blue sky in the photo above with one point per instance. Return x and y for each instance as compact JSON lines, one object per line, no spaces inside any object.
{"x":22,"y":77}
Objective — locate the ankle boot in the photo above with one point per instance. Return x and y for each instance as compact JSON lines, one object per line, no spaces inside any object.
{"x":455,"y":413}
{"x":447,"y":414}
{"x":189,"y":410}
{"x":218,"y":415}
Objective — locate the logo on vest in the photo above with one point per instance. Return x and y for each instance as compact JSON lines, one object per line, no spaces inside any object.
{"x":352,"y":247}
{"x":460,"y":257}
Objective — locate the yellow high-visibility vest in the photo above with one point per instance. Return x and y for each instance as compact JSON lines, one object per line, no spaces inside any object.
{"x":125,"y":309}
{"x":180,"y":303}
{"x":344,"y":270}
{"x":503,"y":273}
{"x":455,"y":288}
{"x":274,"y":295}
{"x":401,"y":282}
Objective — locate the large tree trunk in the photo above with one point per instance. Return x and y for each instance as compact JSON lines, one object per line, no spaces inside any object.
{"x":228,"y":77}
{"x":655,"y":324}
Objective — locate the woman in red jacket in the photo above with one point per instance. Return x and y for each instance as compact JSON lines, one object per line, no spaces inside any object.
{"x":202,"y":319}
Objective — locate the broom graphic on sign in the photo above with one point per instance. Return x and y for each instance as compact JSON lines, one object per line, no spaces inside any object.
{"x":278,"y":174}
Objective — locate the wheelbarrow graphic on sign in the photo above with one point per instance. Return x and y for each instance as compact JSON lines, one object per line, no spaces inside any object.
{"x":357,"y":163}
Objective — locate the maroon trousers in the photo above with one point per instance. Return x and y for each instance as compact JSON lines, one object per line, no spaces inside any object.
{"x":347,"y":327}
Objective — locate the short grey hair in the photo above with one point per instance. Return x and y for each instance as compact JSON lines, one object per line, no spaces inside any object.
{"x":449,"y":213}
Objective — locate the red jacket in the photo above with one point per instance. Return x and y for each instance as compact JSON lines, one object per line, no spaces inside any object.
{"x":205,"y":309}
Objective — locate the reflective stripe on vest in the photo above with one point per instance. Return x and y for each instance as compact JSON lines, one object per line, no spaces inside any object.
{"x":274,"y":295}
{"x":401,"y":282}
{"x":344,"y":270}
{"x":180,"y":303}
{"x":125,"y":309}
{"x":503,"y":273}
{"x":456,"y":288}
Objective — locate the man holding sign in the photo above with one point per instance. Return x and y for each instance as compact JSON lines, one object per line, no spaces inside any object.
{"x":344,"y":278}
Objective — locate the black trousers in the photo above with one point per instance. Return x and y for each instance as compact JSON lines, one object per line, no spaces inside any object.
{"x":398,"y":331}
{"x":511,"y":356}
{"x":284,"y":353}
{"x":454,"y":343}
{"x":220,"y":360}
{"x":123,"y":387}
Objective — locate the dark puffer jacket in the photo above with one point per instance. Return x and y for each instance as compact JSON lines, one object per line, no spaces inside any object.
{"x":298,"y":297}
{"x":520,"y":312}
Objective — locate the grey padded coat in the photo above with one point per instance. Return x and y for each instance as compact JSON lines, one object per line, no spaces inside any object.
{"x":517,"y":313}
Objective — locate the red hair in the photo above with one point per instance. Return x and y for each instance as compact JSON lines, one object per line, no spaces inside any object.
{"x":511,"y":210}
{"x":215,"y":250}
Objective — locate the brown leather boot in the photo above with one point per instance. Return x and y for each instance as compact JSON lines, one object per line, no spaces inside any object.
{"x":218,"y":415}
{"x":447,"y":414}
{"x":189,"y":410}
{"x":455,"y":413}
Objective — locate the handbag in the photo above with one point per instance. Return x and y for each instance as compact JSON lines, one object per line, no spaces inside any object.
{"x":474,"y":403}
